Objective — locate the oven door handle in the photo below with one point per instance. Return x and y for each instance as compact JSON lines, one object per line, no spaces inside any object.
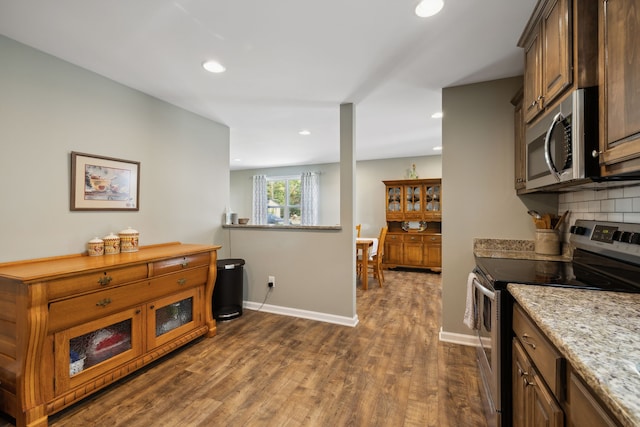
{"x":486,"y":291}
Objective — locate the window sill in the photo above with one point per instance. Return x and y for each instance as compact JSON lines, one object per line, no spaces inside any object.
{"x":283,"y":227}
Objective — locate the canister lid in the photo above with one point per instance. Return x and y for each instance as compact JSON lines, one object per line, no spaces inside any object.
{"x":96,"y":240}
{"x":129,"y":230}
{"x":111,"y":236}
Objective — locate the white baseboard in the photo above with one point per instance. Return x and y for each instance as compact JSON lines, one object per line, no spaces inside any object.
{"x":303,"y":314}
{"x":462,"y":339}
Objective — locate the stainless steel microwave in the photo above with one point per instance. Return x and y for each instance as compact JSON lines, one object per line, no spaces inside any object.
{"x":560,"y":146}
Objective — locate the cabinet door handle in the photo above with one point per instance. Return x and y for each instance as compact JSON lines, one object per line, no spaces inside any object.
{"x":182,"y":281}
{"x":525,"y":339}
{"x":103,"y":303}
{"x":105,"y":280}
{"x":526,"y":382}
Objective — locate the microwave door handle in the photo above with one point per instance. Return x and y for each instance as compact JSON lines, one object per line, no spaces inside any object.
{"x":547,"y":146}
{"x":487,"y":292}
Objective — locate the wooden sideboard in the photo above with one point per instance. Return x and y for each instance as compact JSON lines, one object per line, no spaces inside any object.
{"x":72,"y":325}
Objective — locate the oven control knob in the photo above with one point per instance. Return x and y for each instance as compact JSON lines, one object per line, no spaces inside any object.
{"x":635,"y":239}
{"x":626,"y":237}
{"x":617,"y":236}
{"x":582,"y":231}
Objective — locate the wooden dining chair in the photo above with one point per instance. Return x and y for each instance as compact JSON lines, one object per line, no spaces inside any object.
{"x":375,"y":262}
{"x":358,"y":228}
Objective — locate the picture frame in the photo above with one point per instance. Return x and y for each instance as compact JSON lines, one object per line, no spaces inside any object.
{"x":100,"y":183}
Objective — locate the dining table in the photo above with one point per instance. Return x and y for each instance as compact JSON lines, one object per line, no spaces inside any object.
{"x":362,"y":250}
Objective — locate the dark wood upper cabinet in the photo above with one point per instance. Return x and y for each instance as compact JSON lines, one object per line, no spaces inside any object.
{"x":619,"y":79}
{"x":560,"y":52}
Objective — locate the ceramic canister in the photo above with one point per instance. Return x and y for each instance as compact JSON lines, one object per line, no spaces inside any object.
{"x":111,"y":244}
{"x":547,"y":242}
{"x":129,"y":240}
{"x":95,"y":247}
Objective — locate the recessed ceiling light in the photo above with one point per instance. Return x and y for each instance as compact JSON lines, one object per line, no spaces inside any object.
{"x":428,"y":8}
{"x":437,"y":115}
{"x":304,"y":132}
{"x":439,"y":148}
{"x":213,"y":67}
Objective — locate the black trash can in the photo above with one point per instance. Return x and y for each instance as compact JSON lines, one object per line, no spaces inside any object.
{"x":227,"y":294}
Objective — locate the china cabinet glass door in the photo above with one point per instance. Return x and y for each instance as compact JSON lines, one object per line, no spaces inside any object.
{"x":433,"y":203}
{"x":413,"y":202}
{"x":394,"y":202}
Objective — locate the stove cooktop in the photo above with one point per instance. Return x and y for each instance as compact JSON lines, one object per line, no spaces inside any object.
{"x":606,"y":257}
{"x":502,"y":271}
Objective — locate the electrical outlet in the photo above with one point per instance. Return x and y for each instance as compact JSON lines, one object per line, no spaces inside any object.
{"x":272,"y":282}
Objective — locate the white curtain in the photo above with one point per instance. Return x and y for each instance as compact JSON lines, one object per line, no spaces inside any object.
{"x":259,"y":208}
{"x":309,"y":194}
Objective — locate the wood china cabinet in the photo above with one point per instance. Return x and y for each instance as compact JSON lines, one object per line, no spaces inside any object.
{"x":414,"y":214}
{"x":75,"y":324}
{"x":619,"y":61}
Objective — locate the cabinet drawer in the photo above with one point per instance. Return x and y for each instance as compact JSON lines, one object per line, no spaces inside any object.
{"x":432,"y":239}
{"x":396,"y":238}
{"x":97,"y":280}
{"x":178,"y":281}
{"x":74,"y":311}
{"x":412,"y":238}
{"x":548,"y":361}
{"x":177,"y":264}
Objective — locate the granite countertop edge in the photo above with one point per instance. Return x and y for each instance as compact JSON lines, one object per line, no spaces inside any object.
{"x":597,"y":332}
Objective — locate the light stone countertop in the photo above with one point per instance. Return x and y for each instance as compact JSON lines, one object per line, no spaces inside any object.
{"x":599,"y":335}
{"x":517,"y":249}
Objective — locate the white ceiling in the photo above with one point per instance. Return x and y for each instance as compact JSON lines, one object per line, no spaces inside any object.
{"x":290,"y":64}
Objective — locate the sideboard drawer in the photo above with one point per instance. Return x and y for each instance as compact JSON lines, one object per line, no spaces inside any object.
{"x":94,"y":281}
{"x":177,"y":264}
{"x":74,"y":311}
{"x":178,"y":281}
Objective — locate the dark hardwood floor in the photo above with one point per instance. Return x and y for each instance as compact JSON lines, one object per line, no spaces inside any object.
{"x":270,"y":370}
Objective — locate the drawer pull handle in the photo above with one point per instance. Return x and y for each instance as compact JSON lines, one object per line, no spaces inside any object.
{"x":527,"y":383}
{"x":103,"y":303}
{"x":105,"y":280}
{"x":182,"y":281}
{"x":525,"y":339}
{"x":185,"y":264}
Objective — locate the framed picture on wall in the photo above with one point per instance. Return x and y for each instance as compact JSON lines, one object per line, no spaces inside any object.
{"x":101,"y":183}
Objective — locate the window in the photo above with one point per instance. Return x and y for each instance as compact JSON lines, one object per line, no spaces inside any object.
{"x":283,"y":200}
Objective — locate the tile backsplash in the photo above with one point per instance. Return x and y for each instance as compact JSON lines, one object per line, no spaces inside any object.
{"x":616,"y":204}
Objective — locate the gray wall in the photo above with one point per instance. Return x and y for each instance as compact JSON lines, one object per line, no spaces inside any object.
{"x":477,"y":184}
{"x":314,"y":269}
{"x":49,"y":108}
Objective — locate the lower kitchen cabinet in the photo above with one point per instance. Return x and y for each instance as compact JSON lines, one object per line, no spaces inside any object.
{"x":76,"y":324}
{"x":546,"y":389}
{"x":533,"y":402}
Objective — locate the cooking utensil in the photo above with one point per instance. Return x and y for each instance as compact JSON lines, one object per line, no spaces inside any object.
{"x":560,"y":220}
{"x":534,"y":214}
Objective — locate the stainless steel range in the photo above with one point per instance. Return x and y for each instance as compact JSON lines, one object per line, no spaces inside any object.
{"x":606,"y":257}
